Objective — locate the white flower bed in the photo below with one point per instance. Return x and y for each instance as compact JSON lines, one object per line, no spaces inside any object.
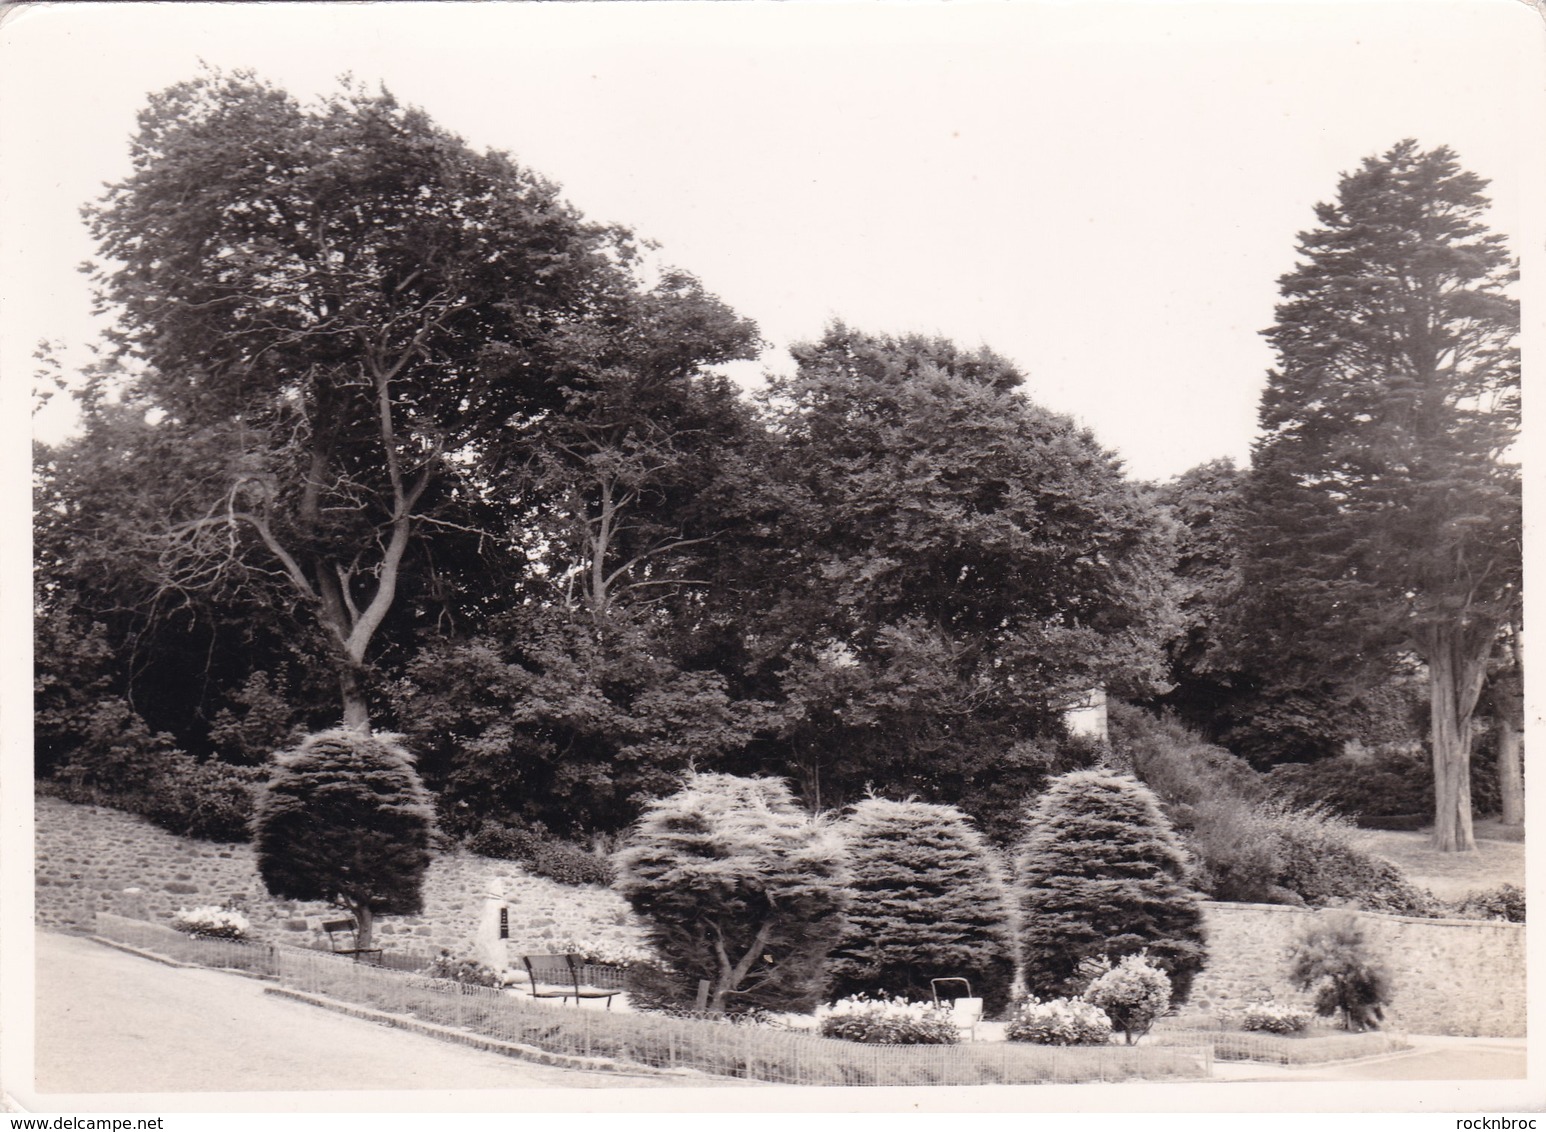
{"x":209,"y":922}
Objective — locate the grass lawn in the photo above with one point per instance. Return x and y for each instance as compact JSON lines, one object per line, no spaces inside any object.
{"x":1450,"y":876}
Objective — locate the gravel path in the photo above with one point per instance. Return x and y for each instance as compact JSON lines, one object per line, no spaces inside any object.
{"x":108,"y":1022}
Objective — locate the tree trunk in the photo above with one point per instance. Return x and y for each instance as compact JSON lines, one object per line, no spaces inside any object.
{"x":1508,"y":713}
{"x":365,"y":921}
{"x":1455,"y":675}
{"x":352,"y":694}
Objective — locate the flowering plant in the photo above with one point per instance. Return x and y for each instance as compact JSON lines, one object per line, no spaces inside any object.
{"x":466,"y":971}
{"x":887,"y":1021}
{"x":1059,"y":1022}
{"x":209,"y":922}
{"x":600,"y":953}
{"x":1133,"y":994}
{"x":1275,"y":1017}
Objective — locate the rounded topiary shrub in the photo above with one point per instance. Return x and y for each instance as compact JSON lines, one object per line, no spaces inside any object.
{"x":1101,"y":875}
{"x":344,"y":818}
{"x":1132,"y":994}
{"x":929,"y":901}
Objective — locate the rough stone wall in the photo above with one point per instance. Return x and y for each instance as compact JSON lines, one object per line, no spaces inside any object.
{"x":1462,"y":977}
{"x":87,"y":856}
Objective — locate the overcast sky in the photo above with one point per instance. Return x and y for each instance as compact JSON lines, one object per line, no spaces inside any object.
{"x":1105,"y":194}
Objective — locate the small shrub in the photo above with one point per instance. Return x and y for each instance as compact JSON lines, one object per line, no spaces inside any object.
{"x":1506,"y":902}
{"x":1275,"y":1018}
{"x":1059,"y":1022}
{"x":466,"y":971}
{"x":1332,"y":958}
{"x":567,"y":863}
{"x":209,"y":922}
{"x":1133,"y":994}
{"x":887,"y":1021}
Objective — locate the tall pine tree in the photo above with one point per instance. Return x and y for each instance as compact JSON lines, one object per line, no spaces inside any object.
{"x":1384,"y":507}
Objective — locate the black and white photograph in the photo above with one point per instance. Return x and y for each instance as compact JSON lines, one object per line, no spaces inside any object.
{"x":760,"y":557}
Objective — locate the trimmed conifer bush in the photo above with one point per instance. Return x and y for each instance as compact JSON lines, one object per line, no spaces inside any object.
{"x":1100,"y":874}
{"x":345,"y":818}
{"x":929,"y":901}
{"x":739,"y":887}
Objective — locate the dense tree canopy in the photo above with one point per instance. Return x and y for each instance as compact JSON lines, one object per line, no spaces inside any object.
{"x":1385,"y":509}
{"x":952,"y":567}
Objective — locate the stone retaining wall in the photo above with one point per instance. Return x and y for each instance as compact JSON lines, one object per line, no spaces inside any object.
{"x":1464,"y":977}
{"x":88,"y":856}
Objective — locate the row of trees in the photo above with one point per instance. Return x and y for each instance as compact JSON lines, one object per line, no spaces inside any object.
{"x":390,"y":434}
{"x":763,"y":905}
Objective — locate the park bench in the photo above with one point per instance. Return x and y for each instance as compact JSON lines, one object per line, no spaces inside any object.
{"x":343,"y":936}
{"x":966,"y":1008}
{"x":558,"y":976}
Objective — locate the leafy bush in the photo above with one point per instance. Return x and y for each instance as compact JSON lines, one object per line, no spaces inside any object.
{"x":1101,"y":874}
{"x":887,"y":1021}
{"x":1376,"y":789}
{"x":1275,"y":1018}
{"x":929,"y":900}
{"x":1177,"y":764}
{"x":466,"y":971}
{"x":1059,"y":1022}
{"x":1320,"y":861}
{"x":1250,"y":841}
{"x":567,"y":863}
{"x":211,"y":800}
{"x":118,"y":754}
{"x":505,"y":840}
{"x":1332,"y":958}
{"x":1374,"y":786}
{"x":1506,"y":902}
{"x":1133,"y":994}
{"x":210,"y":922}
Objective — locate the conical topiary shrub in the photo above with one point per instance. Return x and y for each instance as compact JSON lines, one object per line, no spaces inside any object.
{"x":929,"y":901}
{"x":1100,"y":873}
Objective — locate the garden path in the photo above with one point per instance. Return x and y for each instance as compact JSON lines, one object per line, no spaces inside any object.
{"x":108,"y":1022}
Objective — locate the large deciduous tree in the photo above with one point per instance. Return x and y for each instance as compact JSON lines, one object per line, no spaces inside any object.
{"x":1384,"y":507}
{"x":344,"y":307}
{"x":951,"y":568}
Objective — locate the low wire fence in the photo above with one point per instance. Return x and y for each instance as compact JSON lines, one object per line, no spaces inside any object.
{"x":253,"y":956}
{"x":1311,"y":1047}
{"x":753,"y":1052}
{"x":760,"y":1053}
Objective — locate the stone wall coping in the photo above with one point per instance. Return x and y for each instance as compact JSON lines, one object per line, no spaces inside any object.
{"x":1384,"y":917}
